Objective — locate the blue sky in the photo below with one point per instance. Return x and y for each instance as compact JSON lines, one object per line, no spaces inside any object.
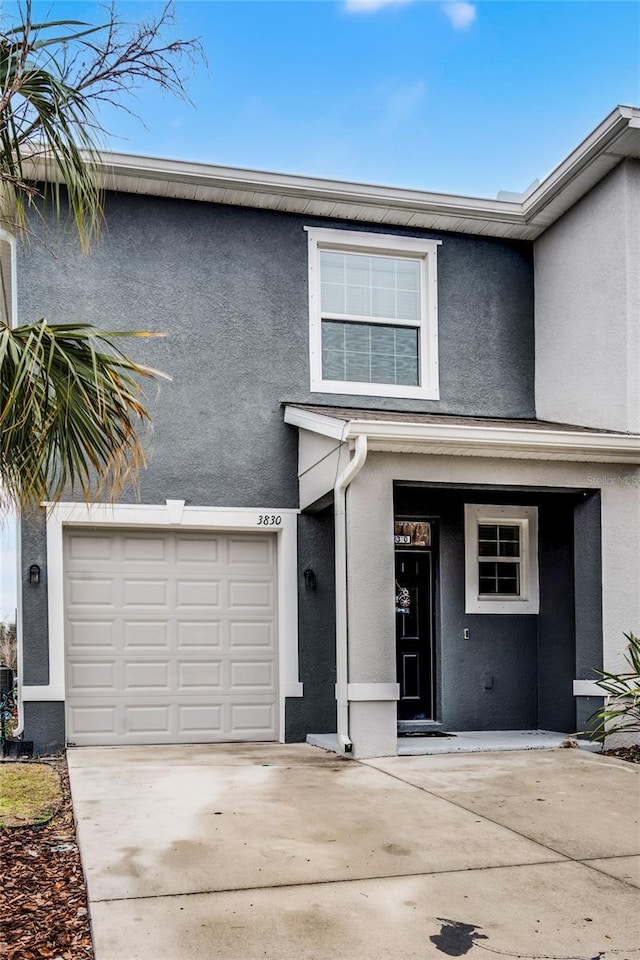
{"x":454,"y":96}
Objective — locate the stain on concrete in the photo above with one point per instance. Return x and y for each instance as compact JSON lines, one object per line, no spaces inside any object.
{"x":456,"y":938}
{"x":396,"y":850}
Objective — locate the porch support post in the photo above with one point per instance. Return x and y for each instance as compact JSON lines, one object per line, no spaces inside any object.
{"x":372,"y":645}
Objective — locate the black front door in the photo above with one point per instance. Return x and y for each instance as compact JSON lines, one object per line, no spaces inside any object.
{"x":415,"y":640}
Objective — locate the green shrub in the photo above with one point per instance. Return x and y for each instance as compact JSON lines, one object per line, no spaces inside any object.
{"x":621,"y":710}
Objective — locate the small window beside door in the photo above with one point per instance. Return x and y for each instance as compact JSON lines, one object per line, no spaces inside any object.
{"x":501,"y":559}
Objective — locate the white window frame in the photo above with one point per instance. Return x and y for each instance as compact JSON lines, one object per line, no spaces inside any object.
{"x":7,"y":237}
{"x":526,"y":519}
{"x":354,"y":241}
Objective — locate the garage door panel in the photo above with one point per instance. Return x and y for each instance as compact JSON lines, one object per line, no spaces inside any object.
{"x":198,"y":551}
{"x":253,"y":718}
{"x":90,"y":548}
{"x":250,"y":674}
{"x":145,"y":634}
{"x":93,"y":720}
{"x":254,"y":552}
{"x":254,"y":634}
{"x":205,"y":719}
{"x":201,"y":634}
{"x":170,"y":638}
{"x":143,"y":548}
{"x":199,"y":593}
{"x":93,"y":676}
{"x":144,"y":593}
{"x":140,"y":676}
{"x":250,"y":594}
{"x":91,"y":635}
{"x":147,"y":718}
{"x":84,"y":592}
{"x":204,"y":676}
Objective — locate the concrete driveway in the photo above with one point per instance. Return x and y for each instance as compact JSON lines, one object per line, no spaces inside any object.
{"x":266,"y":852}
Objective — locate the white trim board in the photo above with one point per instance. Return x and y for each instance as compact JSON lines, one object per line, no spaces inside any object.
{"x":169,"y":516}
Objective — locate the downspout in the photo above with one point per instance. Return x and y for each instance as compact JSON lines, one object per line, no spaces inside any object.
{"x":351,"y":471}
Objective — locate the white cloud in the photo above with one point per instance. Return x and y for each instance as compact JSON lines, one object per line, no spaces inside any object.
{"x":460,"y":13}
{"x":370,"y":6}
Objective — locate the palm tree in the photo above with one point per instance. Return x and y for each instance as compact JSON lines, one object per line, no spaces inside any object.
{"x":71,"y":402}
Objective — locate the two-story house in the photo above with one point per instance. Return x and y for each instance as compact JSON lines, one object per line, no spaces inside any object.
{"x":395,"y":479}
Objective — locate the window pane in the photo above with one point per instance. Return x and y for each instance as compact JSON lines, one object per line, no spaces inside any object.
{"x":332,"y":365}
{"x":333,"y":335}
{"x":499,"y":578}
{"x":369,"y":353}
{"x":358,"y":301}
{"x":383,"y":340}
{"x":487,"y":541}
{"x":408,"y":304}
{"x":383,"y":273}
{"x":407,"y":275}
{"x":370,"y":286}
{"x":332,"y":266}
{"x":333,"y":298}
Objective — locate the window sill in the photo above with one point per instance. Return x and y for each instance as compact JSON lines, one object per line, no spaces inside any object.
{"x":393,"y":391}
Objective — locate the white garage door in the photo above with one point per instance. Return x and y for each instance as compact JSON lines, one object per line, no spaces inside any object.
{"x":170,"y":637}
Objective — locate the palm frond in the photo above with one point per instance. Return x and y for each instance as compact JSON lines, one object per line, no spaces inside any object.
{"x":71,"y":410}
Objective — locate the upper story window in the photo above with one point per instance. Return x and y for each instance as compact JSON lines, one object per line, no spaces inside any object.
{"x":501,"y":559}
{"x":7,"y":278}
{"x":373,"y":314}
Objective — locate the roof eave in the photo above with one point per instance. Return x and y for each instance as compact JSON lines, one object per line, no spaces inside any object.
{"x":522,"y":219}
{"x":472,"y":440}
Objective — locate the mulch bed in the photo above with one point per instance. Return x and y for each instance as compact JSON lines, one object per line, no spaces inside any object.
{"x":43,"y":902}
{"x":632,"y":754}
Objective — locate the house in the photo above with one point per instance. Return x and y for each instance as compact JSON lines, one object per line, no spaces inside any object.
{"x":395,"y":479}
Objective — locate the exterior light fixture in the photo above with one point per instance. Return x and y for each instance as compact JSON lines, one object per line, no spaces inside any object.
{"x":309,"y":579}
{"x":34,"y":574}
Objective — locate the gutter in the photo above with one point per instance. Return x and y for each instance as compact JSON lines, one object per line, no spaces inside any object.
{"x":349,"y":474}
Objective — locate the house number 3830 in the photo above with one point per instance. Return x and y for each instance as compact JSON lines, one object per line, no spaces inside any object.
{"x":269,"y":520}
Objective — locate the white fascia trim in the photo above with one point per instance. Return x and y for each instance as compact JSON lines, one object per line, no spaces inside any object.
{"x":316,"y":423}
{"x":361,"y":241}
{"x":169,"y":516}
{"x":587,"y":688}
{"x":599,"y":141}
{"x":461,"y":439}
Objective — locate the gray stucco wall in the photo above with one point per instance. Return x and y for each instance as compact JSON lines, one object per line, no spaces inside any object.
{"x":229,"y":286}
{"x":44,"y":725}
{"x":316,"y":711}
{"x":35,"y":616}
{"x":587,"y":306}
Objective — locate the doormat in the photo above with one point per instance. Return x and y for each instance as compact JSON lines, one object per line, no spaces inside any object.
{"x":427,"y":733}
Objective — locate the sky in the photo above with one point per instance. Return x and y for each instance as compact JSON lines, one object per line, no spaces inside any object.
{"x":457,"y":96}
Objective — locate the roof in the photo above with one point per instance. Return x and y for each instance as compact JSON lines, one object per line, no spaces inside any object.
{"x":525,"y":218}
{"x":469,"y":436}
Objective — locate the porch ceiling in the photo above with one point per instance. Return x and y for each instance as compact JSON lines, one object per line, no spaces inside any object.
{"x":466,"y":436}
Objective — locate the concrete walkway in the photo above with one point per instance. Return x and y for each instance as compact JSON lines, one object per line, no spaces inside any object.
{"x":266,"y":852}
